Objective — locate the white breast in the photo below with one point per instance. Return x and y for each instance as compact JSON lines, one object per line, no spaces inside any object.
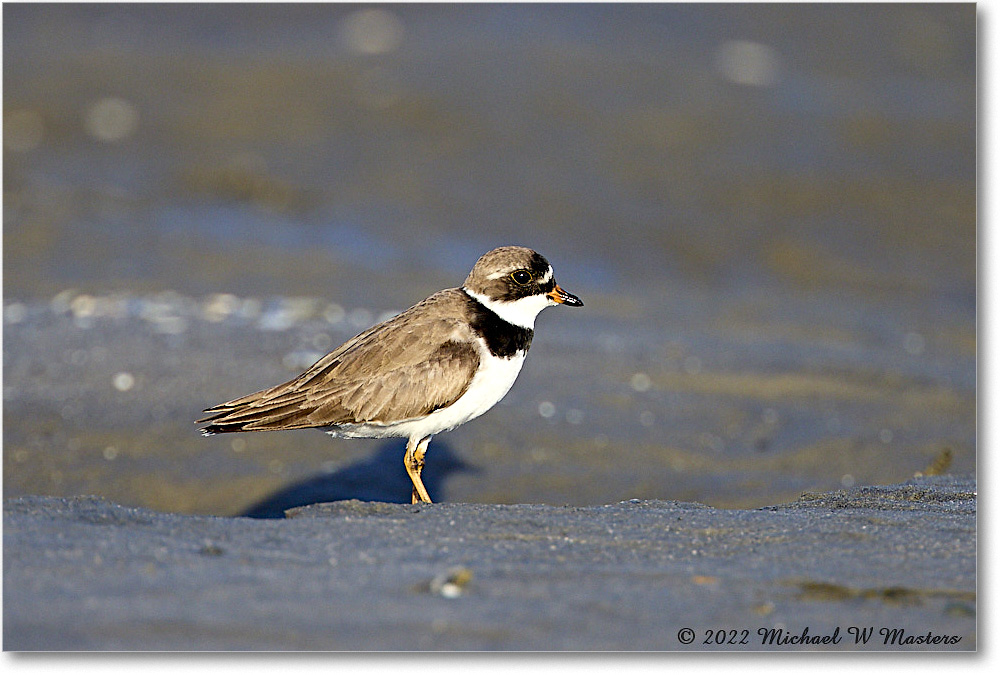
{"x":491,"y":383}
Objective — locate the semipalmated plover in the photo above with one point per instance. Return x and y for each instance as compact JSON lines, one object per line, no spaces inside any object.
{"x":437,"y":365}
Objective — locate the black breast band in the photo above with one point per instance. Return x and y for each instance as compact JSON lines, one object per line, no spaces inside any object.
{"x":503,"y":338}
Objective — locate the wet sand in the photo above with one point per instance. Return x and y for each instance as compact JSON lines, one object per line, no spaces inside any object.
{"x":897,"y":561}
{"x":779,"y":272}
{"x":102,"y":391}
{"x":769,"y":211}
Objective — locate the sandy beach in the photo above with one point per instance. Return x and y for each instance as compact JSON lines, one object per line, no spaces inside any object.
{"x":872,"y":568}
{"x":763,"y":418}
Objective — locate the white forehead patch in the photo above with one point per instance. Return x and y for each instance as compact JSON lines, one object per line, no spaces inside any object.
{"x":542,"y":279}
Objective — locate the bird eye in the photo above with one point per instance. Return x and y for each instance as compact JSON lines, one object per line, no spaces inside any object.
{"x":521,"y":277}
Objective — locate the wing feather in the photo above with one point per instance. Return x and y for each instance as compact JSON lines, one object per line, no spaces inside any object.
{"x":406,"y":367}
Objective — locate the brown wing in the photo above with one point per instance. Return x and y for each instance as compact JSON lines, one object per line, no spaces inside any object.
{"x":408,"y":366}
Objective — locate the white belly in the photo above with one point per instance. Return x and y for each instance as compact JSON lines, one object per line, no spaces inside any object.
{"x":492,"y":382}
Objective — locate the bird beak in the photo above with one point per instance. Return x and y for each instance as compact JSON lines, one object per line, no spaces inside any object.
{"x":561,"y":297}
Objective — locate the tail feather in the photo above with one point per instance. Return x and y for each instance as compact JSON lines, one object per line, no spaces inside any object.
{"x":262,"y":411}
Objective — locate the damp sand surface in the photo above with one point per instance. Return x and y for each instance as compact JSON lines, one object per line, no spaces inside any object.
{"x":779,"y":277}
{"x":101,"y":394}
{"x":779,"y":273}
{"x":896,"y":563}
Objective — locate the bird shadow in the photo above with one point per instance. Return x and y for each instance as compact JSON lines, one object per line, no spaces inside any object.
{"x":380,"y":478}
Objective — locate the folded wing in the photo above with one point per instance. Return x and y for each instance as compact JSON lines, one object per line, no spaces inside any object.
{"x":406,"y":367}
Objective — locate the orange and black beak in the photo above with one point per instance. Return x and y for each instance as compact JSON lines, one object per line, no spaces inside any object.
{"x":563,"y":298}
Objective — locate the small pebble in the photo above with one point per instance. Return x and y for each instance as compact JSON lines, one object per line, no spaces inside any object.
{"x":641,"y":382}
{"x":123,"y":381}
{"x":452,"y":583}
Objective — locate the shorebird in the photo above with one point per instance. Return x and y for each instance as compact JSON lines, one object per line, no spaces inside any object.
{"x":444,"y":361}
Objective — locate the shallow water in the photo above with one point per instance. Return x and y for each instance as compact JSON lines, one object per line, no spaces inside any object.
{"x":769,"y":212}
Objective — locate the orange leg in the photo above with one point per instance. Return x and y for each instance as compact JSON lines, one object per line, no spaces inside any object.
{"x":414,"y":463}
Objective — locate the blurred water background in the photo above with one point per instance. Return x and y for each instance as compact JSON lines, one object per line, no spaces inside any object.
{"x":769,"y":210}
